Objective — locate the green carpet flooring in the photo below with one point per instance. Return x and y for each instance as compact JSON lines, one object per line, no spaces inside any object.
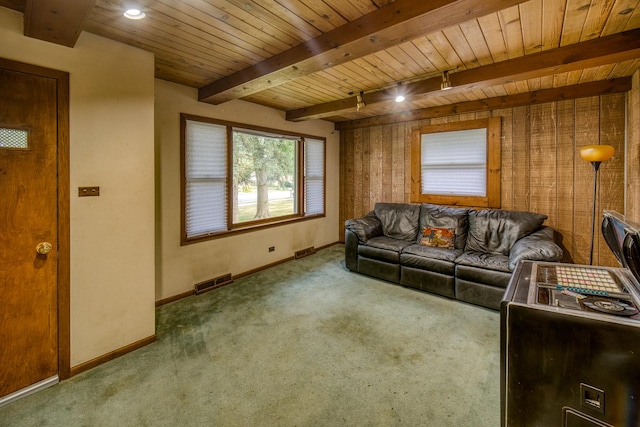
{"x":305,"y":343}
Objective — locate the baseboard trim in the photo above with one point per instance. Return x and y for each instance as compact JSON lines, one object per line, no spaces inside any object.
{"x":237,"y":276}
{"x":75,"y":370}
{"x":174,"y":298}
{"x":264,"y":267}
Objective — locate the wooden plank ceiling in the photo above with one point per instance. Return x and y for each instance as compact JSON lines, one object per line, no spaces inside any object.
{"x":311,"y":58}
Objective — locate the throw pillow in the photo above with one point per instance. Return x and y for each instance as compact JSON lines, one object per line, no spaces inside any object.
{"x":446,"y":217}
{"x":438,"y":237}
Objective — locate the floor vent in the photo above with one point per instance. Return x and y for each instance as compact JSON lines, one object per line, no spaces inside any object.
{"x":305,"y":252}
{"x":213,"y":283}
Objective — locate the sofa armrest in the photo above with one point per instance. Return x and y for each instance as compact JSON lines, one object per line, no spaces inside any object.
{"x":537,"y":246}
{"x":364,"y":228}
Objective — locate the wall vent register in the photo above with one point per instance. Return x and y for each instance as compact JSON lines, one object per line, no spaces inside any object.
{"x":14,"y":138}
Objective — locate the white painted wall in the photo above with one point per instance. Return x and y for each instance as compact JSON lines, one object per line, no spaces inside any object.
{"x":178,"y":268}
{"x":111,"y":146}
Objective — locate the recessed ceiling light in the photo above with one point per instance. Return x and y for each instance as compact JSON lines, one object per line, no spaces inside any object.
{"x":134,"y":14}
{"x":400,"y":98}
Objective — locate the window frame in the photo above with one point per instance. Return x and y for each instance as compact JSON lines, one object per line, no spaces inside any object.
{"x":248,"y":226}
{"x":493,"y":126}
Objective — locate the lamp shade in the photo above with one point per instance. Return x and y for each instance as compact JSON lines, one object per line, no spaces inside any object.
{"x":596,"y":153}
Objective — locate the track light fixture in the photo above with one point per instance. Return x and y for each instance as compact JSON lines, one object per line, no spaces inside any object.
{"x":446,"y":82}
{"x":360,"y":104}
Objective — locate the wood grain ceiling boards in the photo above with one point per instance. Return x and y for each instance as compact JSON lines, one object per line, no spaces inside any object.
{"x":199,"y":42}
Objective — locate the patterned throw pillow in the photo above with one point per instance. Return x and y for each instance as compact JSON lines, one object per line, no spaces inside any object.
{"x":438,"y":237}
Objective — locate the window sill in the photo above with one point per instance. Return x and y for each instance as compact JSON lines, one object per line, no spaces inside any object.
{"x":246,"y":229}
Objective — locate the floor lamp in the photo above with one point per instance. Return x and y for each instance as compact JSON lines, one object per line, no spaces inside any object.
{"x":595,"y":154}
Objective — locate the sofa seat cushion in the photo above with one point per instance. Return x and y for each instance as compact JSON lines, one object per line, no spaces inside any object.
{"x":383,"y":248}
{"x":484,"y":260}
{"x":472,"y":274}
{"x":439,"y":260}
{"x":422,"y":251}
{"x":399,"y":220}
{"x":428,"y":264}
{"x":495,"y":231}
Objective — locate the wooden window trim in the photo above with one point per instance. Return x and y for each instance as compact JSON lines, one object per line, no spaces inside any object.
{"x":249,"y":226}
{"x":492,"y":198}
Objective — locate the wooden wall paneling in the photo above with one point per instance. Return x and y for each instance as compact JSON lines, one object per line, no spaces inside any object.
{"x":343,"y":186}
{"x":541,"y":166}
{"x":357,"y":173}
{"x":506,"y":158}
{"x":542,"y":161}
{"x":375,"y":168}
{"x":439,"y":120}
{"x":633,"y":151}
{"x":349,"y":171}
{"x":484,"y":114}
{"x":521,"y":153}
{"x":387,"y":163}
{"x":407,"y":162}
{"x":587,"y":123}
{"x":565,"y":153}
{"x":398,"y":171}
{"x":416,"y":181}
{"x":366,"y":175}
{"x":611,"y":191}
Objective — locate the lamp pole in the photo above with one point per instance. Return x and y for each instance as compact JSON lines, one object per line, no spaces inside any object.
{"x":595,"y":154}
{"x":596,"y":167}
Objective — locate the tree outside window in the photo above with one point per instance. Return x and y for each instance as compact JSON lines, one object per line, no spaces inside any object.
{"x":264,"y":170}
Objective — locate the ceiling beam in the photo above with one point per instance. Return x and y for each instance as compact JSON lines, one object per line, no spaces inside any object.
{"x":56,"y":21}
{"x":396,"y":23}
{"x":622,"y":84}
{"x":602,"y":51}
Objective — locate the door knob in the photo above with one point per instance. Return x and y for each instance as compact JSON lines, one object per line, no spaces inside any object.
{"x":44,"y":248}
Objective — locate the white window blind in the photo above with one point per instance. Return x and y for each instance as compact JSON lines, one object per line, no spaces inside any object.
{"x":454,"y":163}
{"x":313,"y":176}
{"x":205,"y":177}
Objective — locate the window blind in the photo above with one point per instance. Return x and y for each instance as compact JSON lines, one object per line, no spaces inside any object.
{"x":313,"y":176}
{"x":206,"y":178}
{"x":454,"y":163}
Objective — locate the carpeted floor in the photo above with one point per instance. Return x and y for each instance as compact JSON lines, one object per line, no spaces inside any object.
{"x":305,"y":343}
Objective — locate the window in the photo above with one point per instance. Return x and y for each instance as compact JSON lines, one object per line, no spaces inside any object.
{"x":237,"y":178}
{"x":457,"y":163}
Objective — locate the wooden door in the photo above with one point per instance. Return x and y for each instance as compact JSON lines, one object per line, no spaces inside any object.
{"x":28,"y":218}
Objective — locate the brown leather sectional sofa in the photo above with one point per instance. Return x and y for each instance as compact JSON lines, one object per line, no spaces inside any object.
{"x":461,"y":253}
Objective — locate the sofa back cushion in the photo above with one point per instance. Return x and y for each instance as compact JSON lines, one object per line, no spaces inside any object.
{"x":435,"y":216}
{"x":494,"y":231}
{"x":399,"y":220}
